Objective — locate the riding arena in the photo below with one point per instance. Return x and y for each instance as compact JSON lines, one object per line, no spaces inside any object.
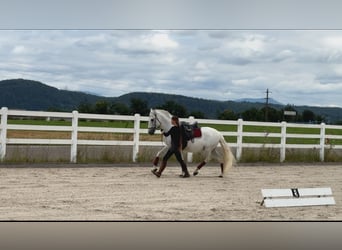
{"x":128,"y":191}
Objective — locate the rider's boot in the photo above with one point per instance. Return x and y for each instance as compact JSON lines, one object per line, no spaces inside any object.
{"x":185,"y":171}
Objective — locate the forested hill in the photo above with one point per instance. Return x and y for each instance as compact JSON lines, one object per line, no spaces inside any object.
{"x":210,"y":108}
{"x":33,"y":95}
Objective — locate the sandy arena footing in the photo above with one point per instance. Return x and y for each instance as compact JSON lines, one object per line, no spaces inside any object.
{"x":95,"y":192}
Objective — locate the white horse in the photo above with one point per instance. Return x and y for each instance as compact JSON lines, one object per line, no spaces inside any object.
{"x":207,"y":144}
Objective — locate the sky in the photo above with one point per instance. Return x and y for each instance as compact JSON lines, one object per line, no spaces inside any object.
{"x":300,"y":67}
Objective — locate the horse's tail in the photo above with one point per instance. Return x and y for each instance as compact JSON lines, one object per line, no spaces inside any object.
{"x":228,"y":157}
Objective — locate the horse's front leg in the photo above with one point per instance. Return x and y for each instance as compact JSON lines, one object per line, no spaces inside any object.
{"x":156,"y":159}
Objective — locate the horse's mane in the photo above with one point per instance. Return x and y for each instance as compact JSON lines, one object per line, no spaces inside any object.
{"x":165,"y":112}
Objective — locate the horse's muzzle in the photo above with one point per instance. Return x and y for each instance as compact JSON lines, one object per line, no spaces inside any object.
{"x":151,"y":131}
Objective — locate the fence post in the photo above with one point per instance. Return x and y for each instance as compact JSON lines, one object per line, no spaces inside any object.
{"x":73,"y":150}
{"x":322,"y":142}
{"x":283,"y":142}
{"x":3,"y":132}
{"x":136,"y":137}
{"x":190,"y":154}
{"x":239,"y":139}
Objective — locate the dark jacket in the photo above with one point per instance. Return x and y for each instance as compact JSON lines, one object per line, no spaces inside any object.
{"x":175,"y":137}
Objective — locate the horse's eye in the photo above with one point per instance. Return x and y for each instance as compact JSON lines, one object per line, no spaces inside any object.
{"x":152,"y":120}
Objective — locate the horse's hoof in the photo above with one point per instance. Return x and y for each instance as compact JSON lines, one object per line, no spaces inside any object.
{"x":220,"y":176}
{"x":195,"y":173}
{"x":184,"y":176}
{"x":156,"y":173}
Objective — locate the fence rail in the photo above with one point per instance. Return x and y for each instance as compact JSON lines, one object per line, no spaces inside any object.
{"x":322,"y":136}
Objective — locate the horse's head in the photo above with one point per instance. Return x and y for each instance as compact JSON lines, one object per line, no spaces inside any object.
{"x":159,"y":119}
{"x":153,"y":122}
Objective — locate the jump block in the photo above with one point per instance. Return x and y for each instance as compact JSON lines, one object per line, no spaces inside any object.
{"x":292,"y":197}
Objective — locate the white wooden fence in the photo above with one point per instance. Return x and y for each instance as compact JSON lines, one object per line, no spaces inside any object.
{"x":136,"y":143}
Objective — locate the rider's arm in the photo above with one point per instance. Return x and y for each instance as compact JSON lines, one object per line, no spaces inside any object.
{"x":168,"y":132}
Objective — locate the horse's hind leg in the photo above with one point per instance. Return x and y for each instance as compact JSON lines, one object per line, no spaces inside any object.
{"x":202,"y":163}
{"x":221,"y":175}
{"x":155,"y":161}
{"x":216,"y":154}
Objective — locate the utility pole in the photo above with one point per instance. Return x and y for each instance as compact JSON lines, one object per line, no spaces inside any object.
{"x":266,"y":108}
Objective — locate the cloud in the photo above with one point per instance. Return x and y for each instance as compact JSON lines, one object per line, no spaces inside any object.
{"x":148,"y":43}
{"x":300,"y":67}
{"x":334,"y":42}
{"x":19,"y":50}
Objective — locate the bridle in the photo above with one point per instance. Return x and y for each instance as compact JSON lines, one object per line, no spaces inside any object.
{"x":154,"y":121}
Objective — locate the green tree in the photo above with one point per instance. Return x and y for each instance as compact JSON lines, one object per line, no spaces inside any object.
{"x":139,"y":106}
{"x":308,"y":116}
{"x":290,"y":107}
{"x":197,"y":114}
{"x":174,"y":108}
{"x":85,"y":107}
{"x":118,"y":108}
{"x":320,"y":118}
{"x":102,"y":107}
{"x":253,"y":114}
{"x":273,"y":114}
{"x":227,"y":115}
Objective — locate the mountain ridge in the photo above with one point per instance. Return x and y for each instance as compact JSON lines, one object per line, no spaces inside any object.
{"x":34,"y":95}
{"x":259,"y":100}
